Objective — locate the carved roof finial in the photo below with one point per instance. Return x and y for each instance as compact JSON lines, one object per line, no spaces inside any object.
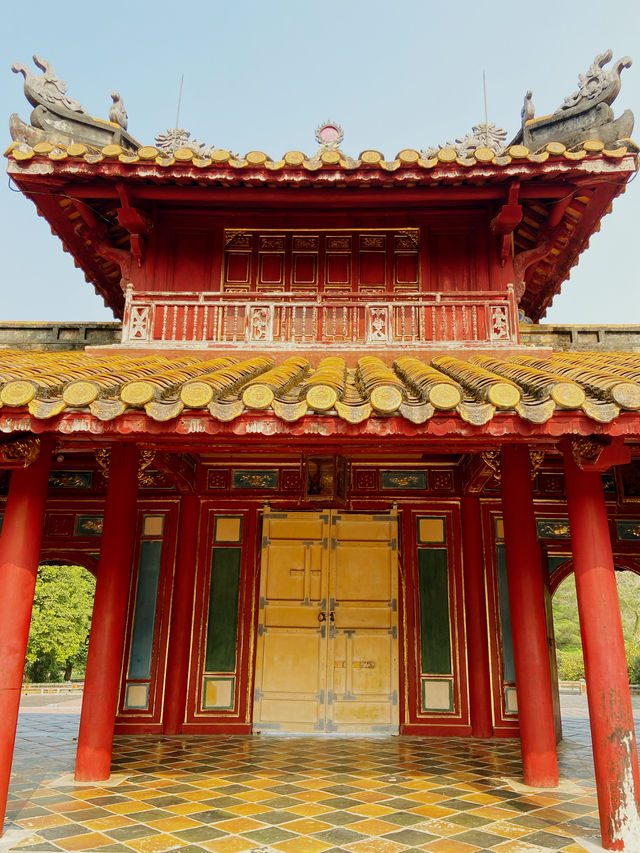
{"x":60,"y":119}
{"x":175,"y":138}
{"x":598,"y":84}
{"x":47,"y":87}
{"x":329,"y":136}
{"x":483,"y":135}
{"x":585,"y":114}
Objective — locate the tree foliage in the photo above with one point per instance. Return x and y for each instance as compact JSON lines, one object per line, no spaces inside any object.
{"x":567,"y":627}
{"x":60,"y":622}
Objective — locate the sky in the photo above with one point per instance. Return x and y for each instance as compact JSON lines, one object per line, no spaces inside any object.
{"x":263,"y":75}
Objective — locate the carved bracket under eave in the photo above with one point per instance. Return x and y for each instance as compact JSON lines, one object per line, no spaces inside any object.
{"x":599,"y":453}
{"x":121,"y":257}
{"x":523,"y":261}
{"x":137,"y":222}
{"x":507,"y":220}
{"x":177,"y":469}
{"x":480,"y":468}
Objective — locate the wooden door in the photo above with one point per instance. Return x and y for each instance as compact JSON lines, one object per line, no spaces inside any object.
{"x":327,"y":646}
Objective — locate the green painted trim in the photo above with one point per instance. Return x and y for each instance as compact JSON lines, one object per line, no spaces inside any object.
{"x":70,"y":480}
{"x":144,"y":618}
{"x":255,"y":478}
{"x":89,"y":525}
{"x":554,"y":562}
{"x":443,"y":541}
{"x":136,"y":706}
{"x":509,"y":669}
{"x":435,"y":638}
{"x":222,"y":623}
{"x":232,"y":680}
{"x":401,"y":480}
{"x":553,"y":528}
{"x":628,"y":530}
{"x":425,"y":707}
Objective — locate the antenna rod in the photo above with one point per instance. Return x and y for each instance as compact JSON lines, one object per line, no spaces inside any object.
{"x":180,"y":102}
{"x":486,"y":108}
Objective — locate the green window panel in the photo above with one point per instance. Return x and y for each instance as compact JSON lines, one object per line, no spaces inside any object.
{"x":509,"y":670}
{"x":435,"y":637}
{"x":144,"y":617}
{"x":222,"y":626}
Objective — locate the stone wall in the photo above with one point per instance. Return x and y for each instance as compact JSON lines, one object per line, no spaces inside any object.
{"x":58,"y":336}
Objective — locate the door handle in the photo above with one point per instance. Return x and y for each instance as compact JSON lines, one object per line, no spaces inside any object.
{"x":332,"y":617}
{"x":322,"y":616}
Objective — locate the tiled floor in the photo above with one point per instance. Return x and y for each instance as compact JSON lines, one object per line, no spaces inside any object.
{"x":297,"y":794}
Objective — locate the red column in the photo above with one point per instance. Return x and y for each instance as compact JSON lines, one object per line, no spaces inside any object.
{"x":615,"y":755}
{"x":476,"y":613}
{"x":102,"y":679}
{"x":19,"y":555}
{"x":181,"y":616}
{"x":528,"y":622}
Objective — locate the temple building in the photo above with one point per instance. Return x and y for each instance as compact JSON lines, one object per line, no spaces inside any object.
{"x":328,"y":469}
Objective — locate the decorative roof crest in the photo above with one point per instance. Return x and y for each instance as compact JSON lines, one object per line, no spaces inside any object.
{"x":329,"y":136}
{"x":484,"y":135}
{"x":175,"y":138}
{"x":60,"y":119}
{"x":47,"y":87}
{"x":598,"y":84}
{"x":586,"y":114}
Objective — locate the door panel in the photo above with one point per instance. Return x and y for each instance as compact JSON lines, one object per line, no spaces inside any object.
{"x":363,"y":657}
{"x":291,"y":652}
{"x":327,"y":656}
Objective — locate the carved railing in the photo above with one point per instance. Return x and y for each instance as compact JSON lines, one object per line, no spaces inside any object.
{"x":481,"y":318}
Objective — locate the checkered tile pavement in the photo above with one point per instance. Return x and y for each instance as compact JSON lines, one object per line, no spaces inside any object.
{"x":296,"y":795}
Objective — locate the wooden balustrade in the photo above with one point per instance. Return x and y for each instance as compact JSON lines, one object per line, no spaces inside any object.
{"x":247,"y":320}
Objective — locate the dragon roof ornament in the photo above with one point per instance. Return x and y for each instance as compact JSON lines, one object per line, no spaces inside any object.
{"x":598,"y":84}
{"x":585,"y":114}
{"x":59,"y":118}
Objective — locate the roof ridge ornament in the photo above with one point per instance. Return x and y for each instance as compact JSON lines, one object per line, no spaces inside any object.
{"x":175,"y":138}
{"x":47,"y":87}
{"x":329,"y":135}
{"x":483,"y":135}
{"x":585,"y":114}
{"x":598,"y":84}
{"x":61,"y":119}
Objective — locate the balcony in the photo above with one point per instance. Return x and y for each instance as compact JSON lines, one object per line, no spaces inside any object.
{"x":278,"y":320}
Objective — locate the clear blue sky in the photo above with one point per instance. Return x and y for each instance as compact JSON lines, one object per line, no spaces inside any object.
{"x":263,"y":75}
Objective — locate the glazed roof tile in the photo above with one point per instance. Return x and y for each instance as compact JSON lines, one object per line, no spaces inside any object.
{"x":47,"y":384}
{"x":149,"y":155}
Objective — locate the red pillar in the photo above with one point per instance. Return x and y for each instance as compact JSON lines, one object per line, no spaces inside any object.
{"x":529,"y":628}
{"x":181,"y":616}
{"x":19,"y":556}
{"x":476,"y":613}
{"x":615,"y":755}
{"x":102,"y":679}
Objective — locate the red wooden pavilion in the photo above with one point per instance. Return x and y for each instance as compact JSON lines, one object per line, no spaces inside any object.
{"x":330,"y":472}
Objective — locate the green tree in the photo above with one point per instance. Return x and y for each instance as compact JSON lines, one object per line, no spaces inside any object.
{"x":60,"y":622}
{"x":567,"y":627}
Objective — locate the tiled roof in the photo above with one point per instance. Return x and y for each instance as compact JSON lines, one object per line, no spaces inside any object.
{"x":334,"y":159}
{"x":600,"y":385}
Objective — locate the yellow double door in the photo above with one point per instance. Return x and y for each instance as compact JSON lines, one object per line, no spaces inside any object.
{"x":327,"y":644}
